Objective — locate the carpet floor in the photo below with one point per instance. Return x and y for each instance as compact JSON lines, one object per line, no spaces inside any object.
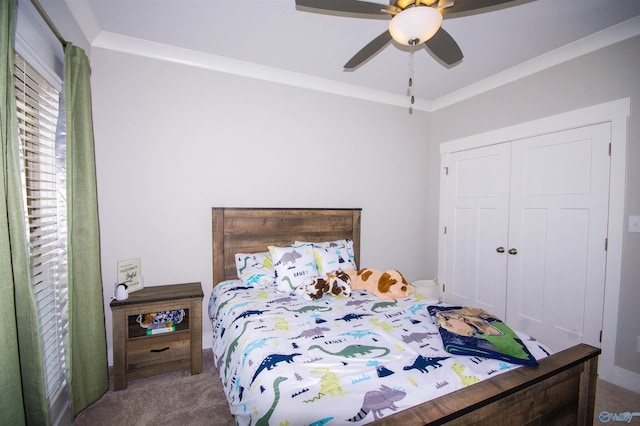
{"x":175,"y":398}
{"x":180,"y":398}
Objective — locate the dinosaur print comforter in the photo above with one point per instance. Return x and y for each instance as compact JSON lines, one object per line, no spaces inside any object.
{"x":337,"y":360}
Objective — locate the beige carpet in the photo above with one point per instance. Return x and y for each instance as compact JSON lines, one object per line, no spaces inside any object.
{"x":180,"y":398}
{"x":615,"y":400}
{"x":175,"y":398}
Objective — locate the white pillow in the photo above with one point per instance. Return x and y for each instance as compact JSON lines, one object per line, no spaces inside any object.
{"x":333,"y":255}
{"x":255,"y":268}
{"x":292,"y":265}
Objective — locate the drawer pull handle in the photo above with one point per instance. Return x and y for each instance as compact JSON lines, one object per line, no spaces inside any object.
{"x":160,"y":350}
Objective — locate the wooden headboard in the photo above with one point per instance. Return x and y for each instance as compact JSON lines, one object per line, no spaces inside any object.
{"x":251,"y":230}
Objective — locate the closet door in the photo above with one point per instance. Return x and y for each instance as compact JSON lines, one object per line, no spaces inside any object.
{"x":558,"y":226}
{"x":477,"y":203}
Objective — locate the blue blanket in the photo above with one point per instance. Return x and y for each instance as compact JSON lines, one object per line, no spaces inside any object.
{"x":475,"y":332}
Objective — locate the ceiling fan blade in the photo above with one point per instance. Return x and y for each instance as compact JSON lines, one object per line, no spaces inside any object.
{"x":369,"y":50}
{"x":461,"y":6}
{"x":443,"y":46}
{"x":444,"y":4}
{"x":349,"y":6}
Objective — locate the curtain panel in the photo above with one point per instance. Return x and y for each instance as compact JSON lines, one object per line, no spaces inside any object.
{"x":87,"y":347}
{"x":22,"y":396}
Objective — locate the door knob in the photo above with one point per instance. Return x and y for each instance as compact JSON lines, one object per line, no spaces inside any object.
{"x":513,"y":251}
{"x":500,"y":249}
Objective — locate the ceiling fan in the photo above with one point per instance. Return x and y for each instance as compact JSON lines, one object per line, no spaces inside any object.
{"x":412,"y":22}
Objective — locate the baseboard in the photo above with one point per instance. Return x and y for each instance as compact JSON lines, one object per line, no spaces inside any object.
{"x":626,"y":379}
{"x":207,"y":340}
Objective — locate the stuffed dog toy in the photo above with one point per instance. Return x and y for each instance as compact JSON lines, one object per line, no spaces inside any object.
{"x":386,"y":285}
{"x":336,"y":283}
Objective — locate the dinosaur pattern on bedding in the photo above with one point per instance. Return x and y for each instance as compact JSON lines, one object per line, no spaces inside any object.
{"x":336,"y":360}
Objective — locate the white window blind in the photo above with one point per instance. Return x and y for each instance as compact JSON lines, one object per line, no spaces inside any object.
{"x":38,"y":112}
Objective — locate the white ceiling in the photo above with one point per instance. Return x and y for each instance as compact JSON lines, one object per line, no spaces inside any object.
{"x":311,"y":48}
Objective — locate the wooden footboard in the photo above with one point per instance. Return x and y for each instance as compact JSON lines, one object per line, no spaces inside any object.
{"x":560,"y":391}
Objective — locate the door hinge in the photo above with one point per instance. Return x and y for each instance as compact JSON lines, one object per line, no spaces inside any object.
{"x":446,"y":170}
{"x":443,"y":287}
{"x":609,"y":149}
{"x":600,"y":336}
{"x":606,"y":244}
{"x":445,"y":230}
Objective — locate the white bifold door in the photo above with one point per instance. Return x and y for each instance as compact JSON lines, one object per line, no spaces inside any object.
{"x":526,"y":229}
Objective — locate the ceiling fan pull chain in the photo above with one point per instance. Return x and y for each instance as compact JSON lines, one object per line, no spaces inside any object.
{"x":411,"y":47}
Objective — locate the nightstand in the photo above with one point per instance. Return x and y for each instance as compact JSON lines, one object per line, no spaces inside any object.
{"x":136,"y":354}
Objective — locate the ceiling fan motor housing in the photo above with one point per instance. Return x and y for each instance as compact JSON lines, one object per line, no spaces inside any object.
{"x":415,"y":25}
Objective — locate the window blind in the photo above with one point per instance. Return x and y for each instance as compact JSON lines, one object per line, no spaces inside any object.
{"x":38,"y":113}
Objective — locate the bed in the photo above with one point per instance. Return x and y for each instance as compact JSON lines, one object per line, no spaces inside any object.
{"x":354,"y":360}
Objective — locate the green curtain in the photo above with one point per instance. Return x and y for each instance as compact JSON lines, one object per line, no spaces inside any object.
{"x":22,"y":389}
{"x":87,"y":338}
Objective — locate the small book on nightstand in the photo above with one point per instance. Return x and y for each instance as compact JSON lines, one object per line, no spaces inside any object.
{"x":166,"y":327}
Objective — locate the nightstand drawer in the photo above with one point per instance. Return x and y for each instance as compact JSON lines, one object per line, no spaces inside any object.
{"x":158,"y":349}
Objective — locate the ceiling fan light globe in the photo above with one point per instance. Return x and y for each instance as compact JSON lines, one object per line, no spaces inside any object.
{"x":415,"y":25}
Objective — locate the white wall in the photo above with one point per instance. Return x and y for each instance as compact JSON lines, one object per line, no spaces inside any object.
{"x":172,"y":141}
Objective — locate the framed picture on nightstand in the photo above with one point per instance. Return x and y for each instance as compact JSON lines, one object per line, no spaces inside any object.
{"x":130,"y":273}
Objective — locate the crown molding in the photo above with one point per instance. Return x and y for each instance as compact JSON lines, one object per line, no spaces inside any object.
{"x":164,"y":52}
{"x":145,"y":48}
{"x":604,"y":38}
